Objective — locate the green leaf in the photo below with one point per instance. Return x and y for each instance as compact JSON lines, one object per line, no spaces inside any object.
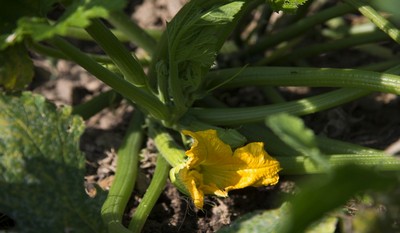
{"x":325,"y":193}
{"x":32,"y":19}
{"x":194,"y":37}
{"x":16,"y":71}
{"x":293,"y":132}
{"x":287,"y":6}
{"x":11,"y":11}
{"x":271,"y":221}
{"x":326,"y":224}
{"x":42,"y":168}
{"x":267,"y":221}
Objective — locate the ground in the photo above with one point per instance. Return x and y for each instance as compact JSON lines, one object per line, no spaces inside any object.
{"x":371,"y":121}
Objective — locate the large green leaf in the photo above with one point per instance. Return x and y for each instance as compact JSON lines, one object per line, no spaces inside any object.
{"x":295,"y":134}
{"x":30,"y":19}
{"x":42,"y":168}
{"x":267,"y":221}
{"x":16,"y":69}
{"x":313,"y":209}
{"x":320,"y":195}
{"x":190,"y":45}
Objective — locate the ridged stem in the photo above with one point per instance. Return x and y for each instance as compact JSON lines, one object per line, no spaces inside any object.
{"x":123,"y":59}
{"x":135,"y":33}
{"x":151,"y":196}
{"x":376,"y":18}
{"x":143,"y":99}
{"x":166,"y":145}
{"x":300,"y":165}
{"x":240,"y":116}
{"x":299,"y":76}
{"x":125,"y":176}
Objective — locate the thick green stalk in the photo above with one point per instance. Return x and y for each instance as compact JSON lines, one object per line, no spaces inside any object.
{"x":143,"y":99}
{"x":166,"y":145}
{"x":298,"y":28}
{"x":376,"y":18}
{"x":240,"y":116}
{"x":125,"y":176}
{"x":301,"y":76}
{"x":300,"y":165}
{"x":135,"y":33}
{"x":123,"y":59}
{"x":151,"y":196}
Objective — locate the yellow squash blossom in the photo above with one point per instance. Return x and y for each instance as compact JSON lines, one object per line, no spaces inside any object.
{"x":212,"y":167}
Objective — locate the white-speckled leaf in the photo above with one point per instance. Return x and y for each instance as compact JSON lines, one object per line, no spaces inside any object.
{"x":42,"y":168}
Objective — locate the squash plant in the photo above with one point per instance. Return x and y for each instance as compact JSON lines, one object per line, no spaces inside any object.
{"x":205,"y":147}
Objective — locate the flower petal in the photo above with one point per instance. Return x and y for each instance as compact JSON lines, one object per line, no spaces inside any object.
{"x":249,"y":166}
{"x":259,"y":168}
{"x":207,"y":148}
{"x":212,"y":167}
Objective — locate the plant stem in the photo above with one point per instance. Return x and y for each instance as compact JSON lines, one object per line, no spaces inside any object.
{"x":81,"y":34}
{"x":51,"y":52}
{"x":276,"y":147}
{"x":240,"y":116}
{"x":297,"y":28}
{"x":332,"y":146}
{"x":301,"y":76}
{"x":151,"y":196}
{"x":376,"y":18}
{"x":380,"y":66}
{"x":273,"y":95}
{"x":334,"y":45}
{"x":123,"y":59}
{"x":135,"y":33}
{"x":300,"y":165}
{"x":166,"y":145}
{"x":280,"y":51}
{"x":125,"y":176}
{"x":96,"y":104}
{"x":146,"y":101}
{"x":243,"y":21}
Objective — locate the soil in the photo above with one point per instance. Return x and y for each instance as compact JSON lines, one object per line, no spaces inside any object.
{"x":372,"y":121}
